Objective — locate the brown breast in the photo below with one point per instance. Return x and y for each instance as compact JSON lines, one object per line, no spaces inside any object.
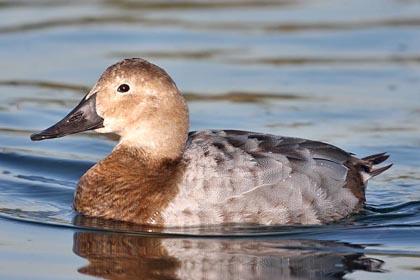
{"x":129,"y":186}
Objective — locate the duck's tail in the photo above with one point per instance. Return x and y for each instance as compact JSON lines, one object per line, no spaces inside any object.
{"x":370,"y":165}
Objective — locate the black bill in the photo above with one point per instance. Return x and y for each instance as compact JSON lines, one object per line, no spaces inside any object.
{"x":81,"y":118}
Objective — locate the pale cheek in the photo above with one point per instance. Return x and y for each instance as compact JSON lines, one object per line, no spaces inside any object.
{"x":109,"y":126}
{"x":103,"y":130}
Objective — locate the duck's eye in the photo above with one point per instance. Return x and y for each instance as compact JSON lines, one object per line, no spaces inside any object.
{"x":123,"y":88}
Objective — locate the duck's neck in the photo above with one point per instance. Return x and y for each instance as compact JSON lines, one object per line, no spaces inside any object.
{"x":155,"y":144}
{"x":130,"y":186}
{"x":161,"y":135}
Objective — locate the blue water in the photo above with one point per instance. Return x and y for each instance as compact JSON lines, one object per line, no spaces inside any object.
{"x":345,"y":73}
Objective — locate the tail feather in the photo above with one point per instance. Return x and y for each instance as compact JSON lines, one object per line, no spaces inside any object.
{"x":376,"y":171}
{"x":376,"y":158}
{"x":371,"y":161}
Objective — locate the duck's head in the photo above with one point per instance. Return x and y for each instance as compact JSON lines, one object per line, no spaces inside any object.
{"x":136,"y":100}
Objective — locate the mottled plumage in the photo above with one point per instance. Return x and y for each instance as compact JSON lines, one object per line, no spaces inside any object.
{"x":159,"y":174}
{"x":246,"y":177}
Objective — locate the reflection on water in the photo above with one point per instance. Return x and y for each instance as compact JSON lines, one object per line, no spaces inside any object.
{"x":114,"y":256}
{"x":117,"y":256}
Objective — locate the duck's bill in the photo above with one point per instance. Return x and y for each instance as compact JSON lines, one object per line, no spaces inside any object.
{"x":81,"y":118}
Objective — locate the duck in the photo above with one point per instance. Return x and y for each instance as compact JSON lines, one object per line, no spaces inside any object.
{"x":161,"y":174}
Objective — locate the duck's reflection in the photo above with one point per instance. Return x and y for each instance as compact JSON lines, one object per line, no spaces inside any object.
{"x":115,"y":256}
{"x":120,"y":256}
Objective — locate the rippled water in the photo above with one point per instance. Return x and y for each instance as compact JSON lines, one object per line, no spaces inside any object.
{"x":343,"y":72}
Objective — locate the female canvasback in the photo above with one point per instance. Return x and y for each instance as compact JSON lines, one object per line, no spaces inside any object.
{"x":159,"y":174}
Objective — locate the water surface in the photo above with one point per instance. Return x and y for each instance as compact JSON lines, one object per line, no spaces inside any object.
{"x":348,"y":74}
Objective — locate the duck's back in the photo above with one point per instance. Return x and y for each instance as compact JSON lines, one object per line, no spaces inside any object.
{"x":244,"y":177}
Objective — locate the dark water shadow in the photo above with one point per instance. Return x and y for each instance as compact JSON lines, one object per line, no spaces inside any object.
{"x":187,"y":5}
{"x":43,"y":84}
{"x":248,"y":27}
{"x":119,"y":256}
{"x":193,"y":54}
{"x":359,"y":60}
{"x":154,"y":5}
{"x":234,"y":96}
{"x":349,"y":25}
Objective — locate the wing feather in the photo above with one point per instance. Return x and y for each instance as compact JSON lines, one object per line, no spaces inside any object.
{"x":253,"y":177}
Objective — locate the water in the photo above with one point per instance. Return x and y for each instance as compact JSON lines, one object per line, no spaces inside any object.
{"x":345,"y":73}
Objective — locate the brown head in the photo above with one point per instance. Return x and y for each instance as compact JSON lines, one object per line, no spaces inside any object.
{"x":136,"y":100}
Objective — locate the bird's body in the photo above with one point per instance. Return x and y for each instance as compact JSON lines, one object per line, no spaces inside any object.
{"x":160,"y":175}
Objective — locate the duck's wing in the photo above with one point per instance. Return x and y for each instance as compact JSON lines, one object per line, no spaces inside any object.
{"x":297,"y":151}
{"x":271,"y":179}
{"x":267,"y":153}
